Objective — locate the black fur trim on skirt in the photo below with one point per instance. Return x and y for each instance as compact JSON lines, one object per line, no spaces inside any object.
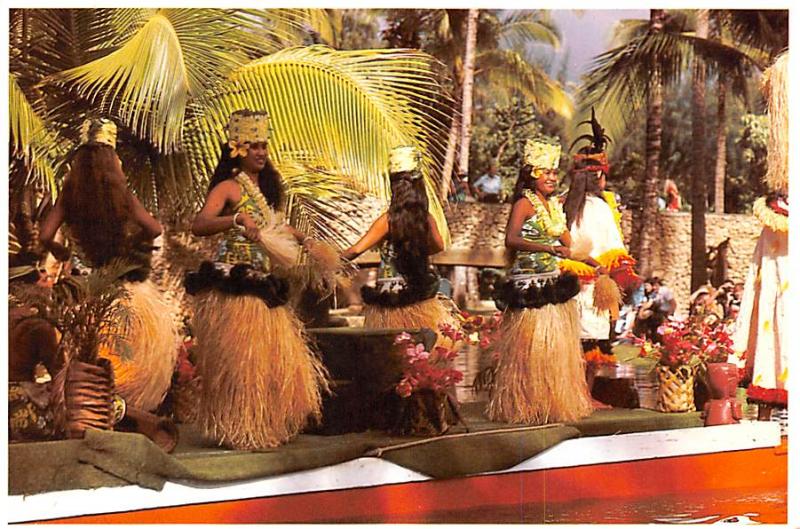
{"x":553,"y":292}
{"x":241,"y":279}
{"x":412,"y":292}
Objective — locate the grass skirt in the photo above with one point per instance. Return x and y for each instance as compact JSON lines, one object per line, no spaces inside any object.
{"x":260,"y":381}
{"x":428,"y":313}
{"x":143,"y":372}
{"x":540,"y":376}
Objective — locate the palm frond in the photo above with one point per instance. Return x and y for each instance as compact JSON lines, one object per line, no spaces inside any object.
{"x":627,"y":29}
{"x":339,"y":111}
{"x":508,"y":70}
{"x":619,"y":78}
{"x":524,"y":26}
{"x":31,"y":140}
{"x":172,"y":56}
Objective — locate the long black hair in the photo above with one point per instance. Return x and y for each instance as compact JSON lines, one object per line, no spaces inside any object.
{"x":525,"y":180}
{"x":582,"y":183}
{"x":409,"y":230}
{"x":269,"y":179}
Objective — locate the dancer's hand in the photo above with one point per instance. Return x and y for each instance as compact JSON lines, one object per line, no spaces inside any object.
{"x":562,"y":251}
{"x":250,"y":228}
{"x":601,"y":270}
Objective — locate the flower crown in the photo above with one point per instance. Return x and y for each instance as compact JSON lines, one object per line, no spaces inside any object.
{"x":542,"y":154}
{"x":246,"y":127}
{"x":404,"y":158}
{"x":99,"y":130}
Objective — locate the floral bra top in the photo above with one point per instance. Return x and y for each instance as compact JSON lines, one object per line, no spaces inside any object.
{"x":235,"y":247}
{"x":543,"y":227}
{"x":388,"y":254}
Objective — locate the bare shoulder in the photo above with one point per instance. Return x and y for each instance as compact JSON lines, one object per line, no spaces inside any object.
{"x":523,"y":205}
{"x":227,"y":189}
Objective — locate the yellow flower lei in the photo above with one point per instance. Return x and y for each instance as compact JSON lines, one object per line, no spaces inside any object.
{"x":553,"y":221}
{"x":253,"y":190}
{"x":769,"y":218}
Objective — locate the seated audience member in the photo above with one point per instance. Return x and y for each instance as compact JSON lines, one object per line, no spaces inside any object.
{"x":489,"y":185}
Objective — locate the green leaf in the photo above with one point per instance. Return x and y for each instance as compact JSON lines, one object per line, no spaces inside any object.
{"x":338,"y":111}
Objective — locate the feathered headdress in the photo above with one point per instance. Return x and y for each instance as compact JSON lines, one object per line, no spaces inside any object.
{"x":246,"y":127}
{"x":99,"y":130}
{"x":592,"y":157}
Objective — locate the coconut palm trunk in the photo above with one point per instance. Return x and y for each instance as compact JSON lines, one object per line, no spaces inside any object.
{"x":450,"y":158}
{"x":649,"y":217}
{"x":466,"y":100}
{"x":699,"y":188}
{"x":721,"y":160}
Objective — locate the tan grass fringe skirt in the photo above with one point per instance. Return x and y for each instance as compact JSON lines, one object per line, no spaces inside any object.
{"x":260,"y":381}
{"x":143,"y":371}
{"x":541,"y":374}
{"x":429,"y":313}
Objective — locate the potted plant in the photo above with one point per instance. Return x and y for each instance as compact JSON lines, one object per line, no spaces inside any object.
{"x":89,"y":313}
{"x":682,"y":350}
{"x":428,"y":405}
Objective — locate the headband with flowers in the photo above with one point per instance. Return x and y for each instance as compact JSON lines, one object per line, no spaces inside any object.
{"x":246,"y":127}
{"x":99,"y":130}
{"x":404,"y":159}
{"x":542,"y":154}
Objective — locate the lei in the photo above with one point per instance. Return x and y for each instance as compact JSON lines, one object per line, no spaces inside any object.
{"x":254,"y":192}
{"x":554,"y":221}
{"x":769,"y":217}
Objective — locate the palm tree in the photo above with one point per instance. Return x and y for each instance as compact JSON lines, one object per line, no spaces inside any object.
{"x":170,"y":77}
{"x":502,"y":67}
{"x":630,"y":77}
{"x":466,"y":94}
{"x":699,"y":275}
{"x":762,"y":35}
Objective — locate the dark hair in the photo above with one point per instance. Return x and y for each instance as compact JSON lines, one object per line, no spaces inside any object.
{"x":269,"y":179}
{"x":409,"y":230}
{"x":96,"y":203}
{"x":582,"y":183}
{"x":525,"y":180}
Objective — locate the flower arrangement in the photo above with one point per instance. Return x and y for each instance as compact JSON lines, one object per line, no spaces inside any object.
{"x":431,"y":370}
{"x":597,"y":357}
{"x":688,"y":343}
{"x":480,"y":330}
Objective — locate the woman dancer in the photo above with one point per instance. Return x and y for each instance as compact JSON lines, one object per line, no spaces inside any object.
{"x":759,"y":336}
{"x":260,"y":381}
{"x":107,"y":222}
{"x":405,"y":294}
{"x":595,"y":234}
{"x":540,"y":374}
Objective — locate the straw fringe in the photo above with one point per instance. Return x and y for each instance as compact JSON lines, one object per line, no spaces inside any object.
{"x":607,"y":296}
{"x":260,"y":381}
{"x":776,"y":84}
{"x":429,"y":313}
{"x":144,"y":376}
{"x":541,"y":374}
{"x":278,"y":241}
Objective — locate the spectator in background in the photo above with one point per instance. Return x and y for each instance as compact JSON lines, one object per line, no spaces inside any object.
{"x":489,"y":185}
{"x":460,"y":191}
{"x":673,"y":197}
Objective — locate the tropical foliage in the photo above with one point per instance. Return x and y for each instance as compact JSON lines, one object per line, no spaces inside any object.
{"x":170,"y":77}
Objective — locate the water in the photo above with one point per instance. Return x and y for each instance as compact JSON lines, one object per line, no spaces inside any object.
{"x":726,"y":506}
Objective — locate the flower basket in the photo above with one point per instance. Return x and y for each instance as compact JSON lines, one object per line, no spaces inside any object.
{"x":89,"y":397}
{"x":425,"y":412}
{"x":675,"y":388}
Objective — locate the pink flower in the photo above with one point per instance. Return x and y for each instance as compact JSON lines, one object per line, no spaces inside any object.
{"x":402,"y":338}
